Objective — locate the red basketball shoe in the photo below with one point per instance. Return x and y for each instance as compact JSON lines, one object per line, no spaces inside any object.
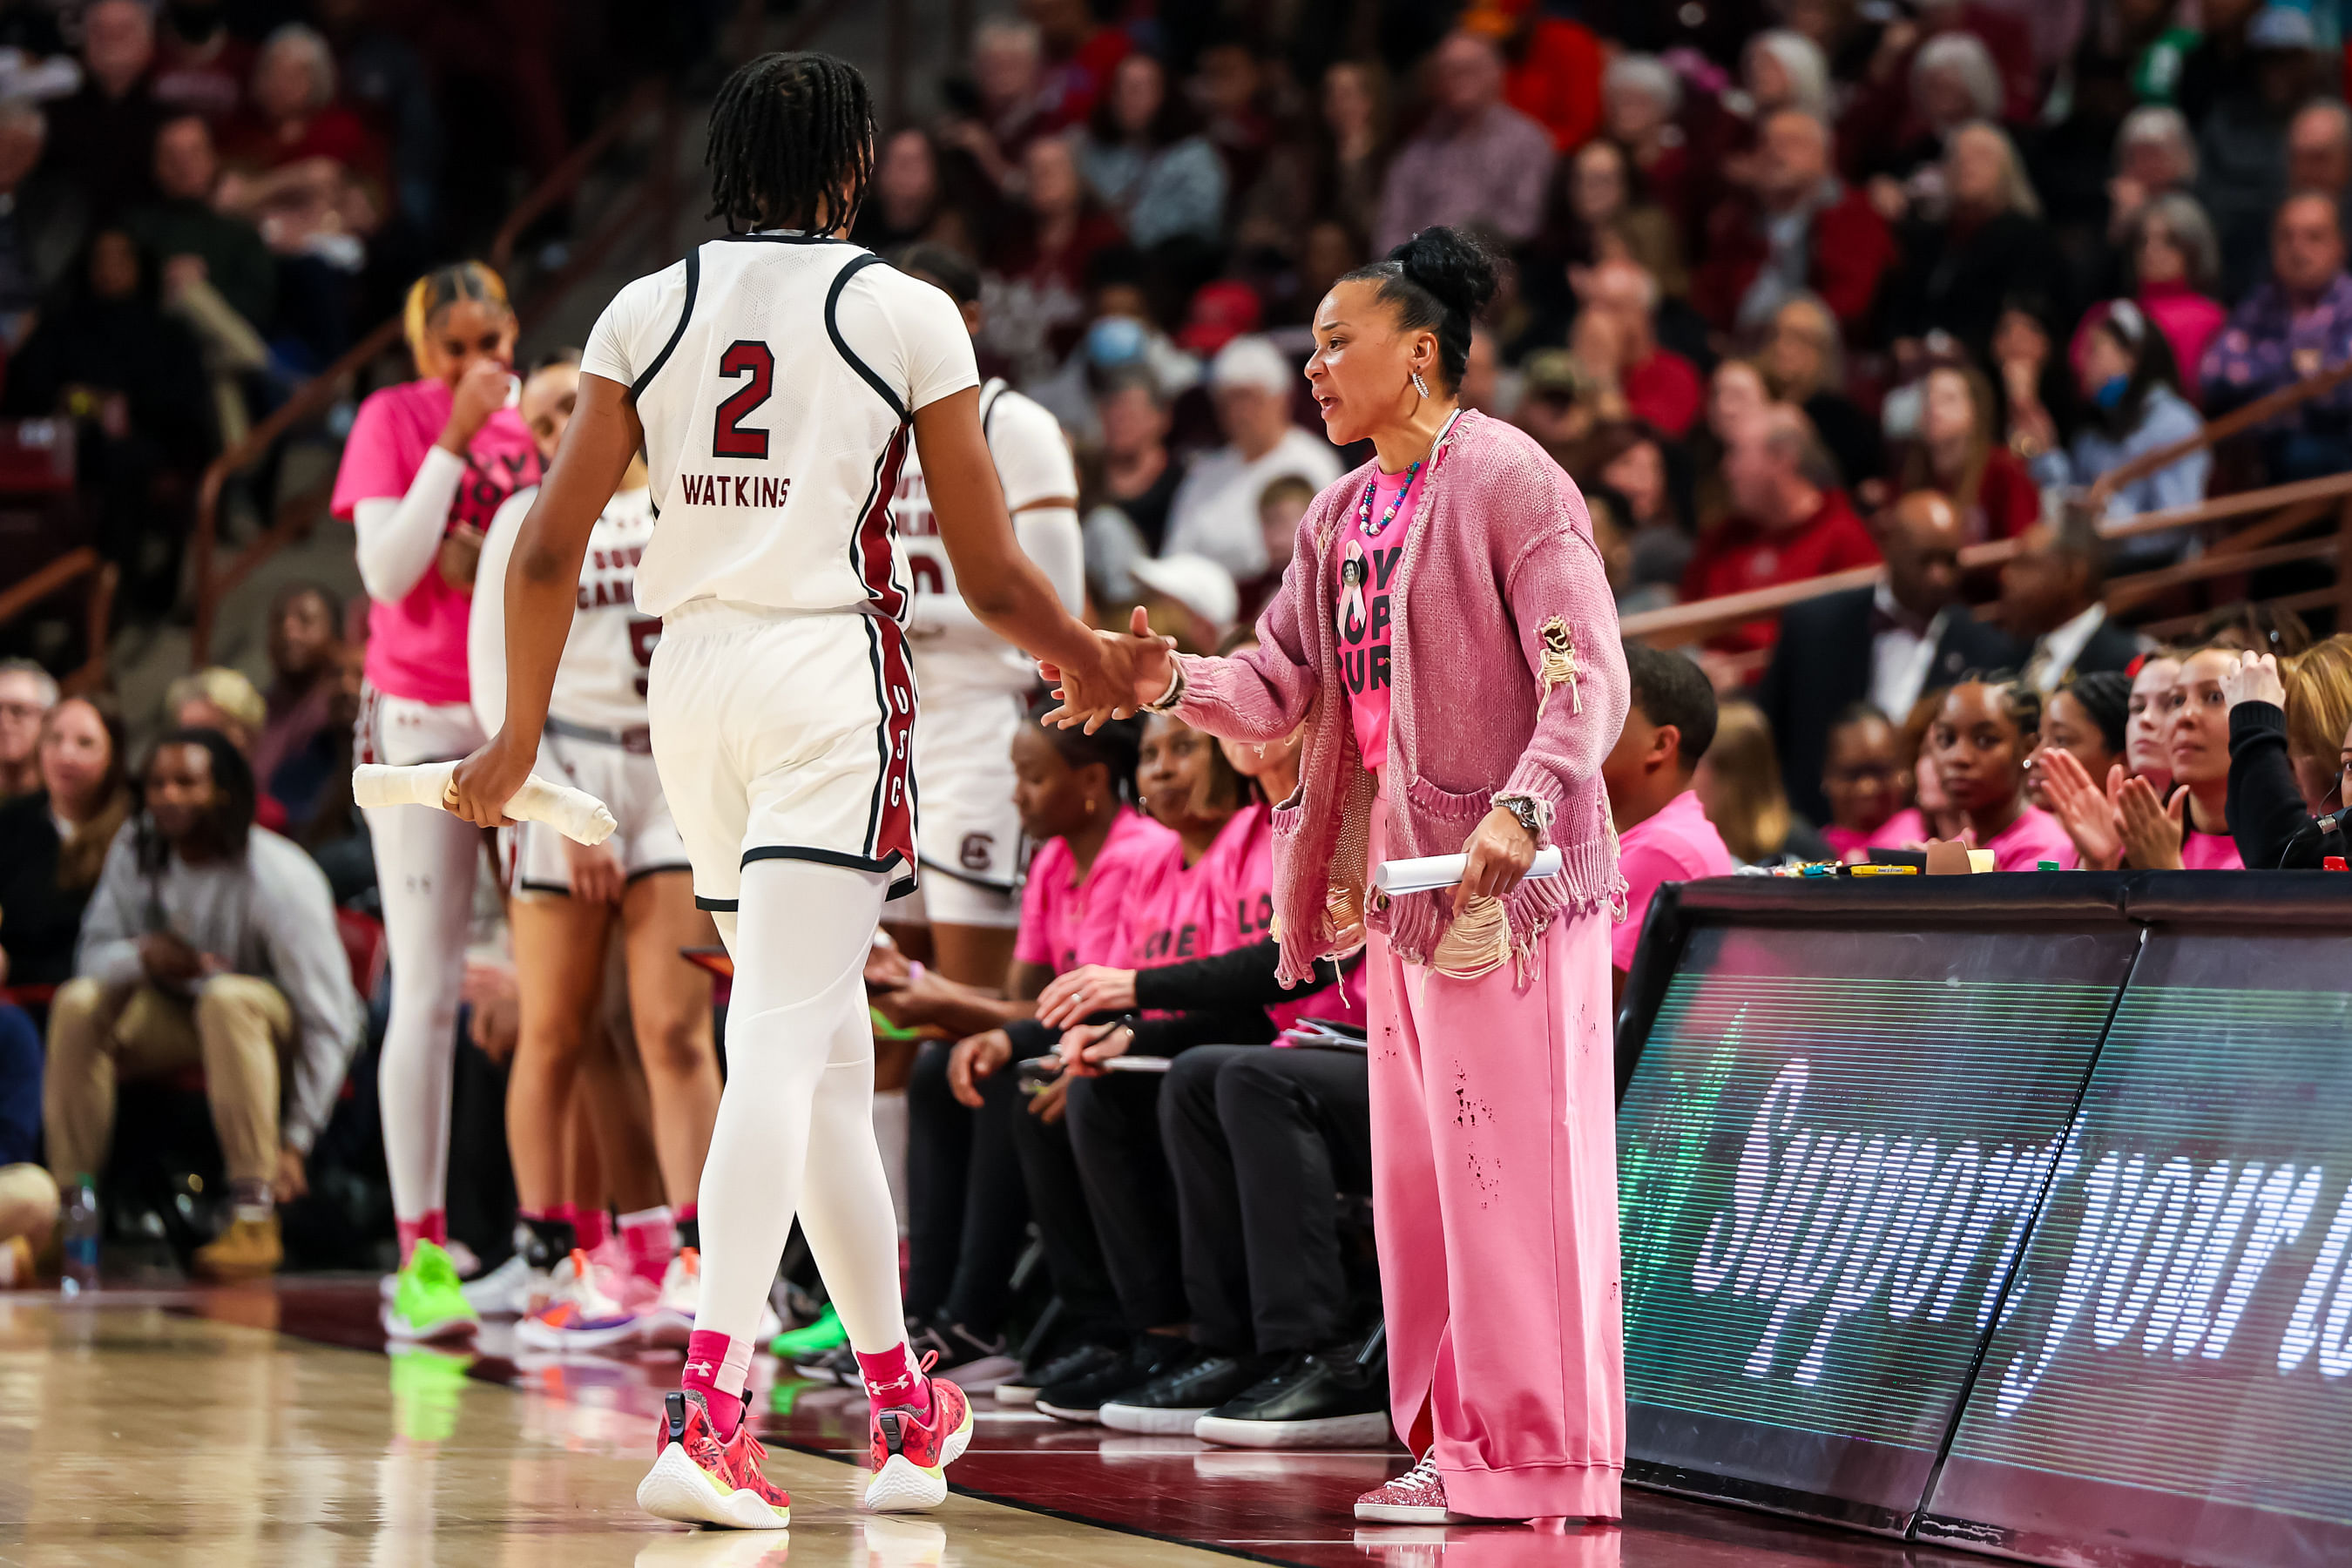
{"x":697,"y":1480}
{"x":910,"y":1454}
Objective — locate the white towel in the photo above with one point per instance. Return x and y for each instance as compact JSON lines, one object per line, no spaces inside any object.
{"x":575,"y":813}
{"x":1430,"y":872}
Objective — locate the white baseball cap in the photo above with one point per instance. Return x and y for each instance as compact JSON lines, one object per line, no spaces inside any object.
{"x":1195,"y":582}
{"x":1252,"y":359}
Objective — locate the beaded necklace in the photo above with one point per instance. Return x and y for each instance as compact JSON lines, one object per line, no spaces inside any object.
{"x":1364,"y":523}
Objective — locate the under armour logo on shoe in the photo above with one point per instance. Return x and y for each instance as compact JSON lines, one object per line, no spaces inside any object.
{"x":702,"y":1369}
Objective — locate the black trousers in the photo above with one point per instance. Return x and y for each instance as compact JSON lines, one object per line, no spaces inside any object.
{"x":970,"y":1206}
{"x":1058,"y":1201}
{"x":1115,"y":1133}
{"x":1260,"y":1142}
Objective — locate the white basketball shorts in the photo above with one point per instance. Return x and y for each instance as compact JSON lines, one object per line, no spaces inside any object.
{"x":972,"y":846}
{"x":620,"y":771}
{"x":785,"y":736}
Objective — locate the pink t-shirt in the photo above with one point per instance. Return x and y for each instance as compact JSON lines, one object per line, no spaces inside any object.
{"x":416,"y":647}
{"x":1677,"y":845}
{"x":1066,"y":923}
{"x":2210,"y":852}
{"x":1176,"y":913}
{"x":1366,"y":574}
{"x":1900,"y":831}
{"x":2034,"y":837}
{"x":1245,"y":868}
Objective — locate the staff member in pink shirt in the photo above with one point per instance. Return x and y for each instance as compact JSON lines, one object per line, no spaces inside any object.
{"x":1663,"y":835}
{"x":1446,"y":633}
{"x":1981,"y":739}
{"x":2191,"y":831}
{"x":427,"y":466}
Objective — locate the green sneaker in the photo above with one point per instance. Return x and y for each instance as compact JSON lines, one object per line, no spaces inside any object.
{"x":428,"y":1386}
{"x":426,"y":1302}
{"x":884,"y":1030}
{"x":806,"y":1344}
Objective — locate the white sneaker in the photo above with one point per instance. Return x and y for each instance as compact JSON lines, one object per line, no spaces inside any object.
{"x":592,"y":1312}
{"x":509,"y":1290}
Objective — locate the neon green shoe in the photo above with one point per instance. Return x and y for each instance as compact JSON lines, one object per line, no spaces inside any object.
{"x":806,"y":1344}
{"x":884,"y":1030}
{"x":426,"y":1302}
{"x":427,"y":1386}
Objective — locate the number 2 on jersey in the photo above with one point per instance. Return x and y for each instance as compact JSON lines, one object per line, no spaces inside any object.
{"x":729,"y":437}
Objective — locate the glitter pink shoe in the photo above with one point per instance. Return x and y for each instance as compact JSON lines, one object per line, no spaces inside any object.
{"x":1416,"y":1497}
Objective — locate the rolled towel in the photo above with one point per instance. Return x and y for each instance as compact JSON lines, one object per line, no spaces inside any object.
{"x":575,"y":813}
{"x":1430,"y":872}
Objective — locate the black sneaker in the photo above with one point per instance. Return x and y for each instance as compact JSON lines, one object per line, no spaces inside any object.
{"x":1175,"y":1401}
{"x":1314,"y":1400}
{"x":838,"y":1365}
{"x":1066,"y":1366}
{"x":1080,"y":1399}
{"x":975,"y":1363}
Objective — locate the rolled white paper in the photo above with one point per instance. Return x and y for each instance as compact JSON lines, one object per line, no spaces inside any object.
{"x":574,"y":813}
{"x":1433,"y":871}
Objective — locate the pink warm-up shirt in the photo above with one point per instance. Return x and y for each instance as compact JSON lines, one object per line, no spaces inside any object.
{"x":1677,"y":845}
{"x":1365,"y":571}
{"x":1175,"y":911}
{"x":2035,"y":837}
{"x":2210,"y":852}
{"x":1245,"y":867}
{"x":416,"y":647}
{"x":1065,"y":921}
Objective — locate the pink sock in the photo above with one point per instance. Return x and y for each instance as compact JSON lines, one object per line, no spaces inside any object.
{"x":651,"y":1239}
{"x":433,"y":1226}
{"x":716,"y":1368}
{"x":593,"y":1227}
{"x":893,"y":1378}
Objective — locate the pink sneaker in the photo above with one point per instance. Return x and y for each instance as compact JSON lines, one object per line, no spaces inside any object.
{"x":1416,"y":1497}
{"x":595,"y":1312}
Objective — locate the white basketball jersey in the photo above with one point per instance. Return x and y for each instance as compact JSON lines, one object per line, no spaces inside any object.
{"x":601,"y":680}
{"x":1032,"y":464}
{"x":776,"y":376}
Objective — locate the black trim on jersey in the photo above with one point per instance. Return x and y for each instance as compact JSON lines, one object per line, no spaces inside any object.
{"x":792,"y":239}
{"x":899,"y":889}
{"x":874,"y":496}
{"x":716,"y":906}
{"x":686,"y":314}
{"x":967,"y":879}
{"x":657,"y":870}
{"x":988,"y":401}
{"x":833,"y":330}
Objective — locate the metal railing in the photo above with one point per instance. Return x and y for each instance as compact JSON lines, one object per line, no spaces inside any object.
{"x":98,"y":609}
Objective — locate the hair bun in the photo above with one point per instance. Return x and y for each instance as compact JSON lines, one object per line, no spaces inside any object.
{"x":1451,"y":265}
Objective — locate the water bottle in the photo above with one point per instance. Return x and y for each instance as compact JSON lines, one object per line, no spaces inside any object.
{"x":81,"y":1227}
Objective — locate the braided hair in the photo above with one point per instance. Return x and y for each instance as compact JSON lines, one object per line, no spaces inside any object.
{"x":792,"y":137}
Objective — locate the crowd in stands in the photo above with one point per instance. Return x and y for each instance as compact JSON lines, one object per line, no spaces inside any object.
{"x":1790,"y":288}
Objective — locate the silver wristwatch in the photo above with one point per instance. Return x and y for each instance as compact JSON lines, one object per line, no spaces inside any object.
{"x":1524,"y":808}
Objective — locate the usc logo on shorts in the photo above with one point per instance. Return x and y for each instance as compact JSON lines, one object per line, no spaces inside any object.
{"x":977,"y":852}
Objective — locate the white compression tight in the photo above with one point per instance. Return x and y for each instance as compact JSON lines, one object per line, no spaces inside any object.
{"x":796,"y":1129}
{"x":425,"y":863}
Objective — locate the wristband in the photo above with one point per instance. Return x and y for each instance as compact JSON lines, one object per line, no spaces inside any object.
{"x":1172,"y":696}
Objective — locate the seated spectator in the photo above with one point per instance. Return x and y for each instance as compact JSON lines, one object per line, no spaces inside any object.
{"x":2192,"y":831}
{"x":1790,"y":522}
{"x":1552,"y":67}
{"x":103,"y":136}
{"x":28,"y":1195}
{"x":1662,"y":832}
{"x":2050,"y":596}
{"x":1641,"y":107}
{"x":1008,"y":60}
{"x":295,"y":753}
{"x":1799,"y":230}
{"x":1930,"y":814}
{"x":386,"y":78}
{"x":1036,"y":309}
{"x":2155,"y":157}
{"x":1189,"y":597}
{"x":2241,"y":138}
{"x":1478,"y":159}
{"x":209,"y":941}
{"x":2296,"y":322}
{"x":2174,"y":264}
{"x":1988,"y":244}
{"x":1738,"y":786}
{"x":53,"y":841}
{"x":1981,"y":739}
{"x":1597,"y":210}
{"x":2145,"y":754}
{"x":2132,"y":405}
{"x":1803,"y":362}
{"x":908,"y":205}
{"x":1657,"y":385}
{"x":133,"y":379}
{"x":41,"y":219}
{"x":1146,"y":163}
{"x":2319,"y":149}
{"x":1331,"y":175}
{"x":303,"y":167}
{"x":1214,"y":510}
{"x":1280,"y":507}
{"x":1629,"y":458}
{"x":1963,"y":61}
{"x":28,"y":692}
{"x":1885,"y":646}
{"x":2246,"y":625}
{"x":217,"y":697}
{"x":218,"y":276}
{"x":1230,"y":88}
{"x":1080,"y":55}
{"x":2290,"y":744}
{"x":2088,"y":719}
{"x":200,"y":66}
{"x":1865,"y":778}
{"x":1134,"y":480}
{"x":1960,"y":454}
{"x":1736,"y":398}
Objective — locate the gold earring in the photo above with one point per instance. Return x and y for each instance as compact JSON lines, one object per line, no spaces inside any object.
{"x":1090,"y":806}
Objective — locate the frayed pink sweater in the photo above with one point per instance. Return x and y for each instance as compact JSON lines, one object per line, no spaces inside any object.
{"x":1508,"y":678}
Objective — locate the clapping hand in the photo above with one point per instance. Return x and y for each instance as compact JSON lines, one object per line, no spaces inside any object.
{"x":2152,"y":830}
{"x":2086,"y":811}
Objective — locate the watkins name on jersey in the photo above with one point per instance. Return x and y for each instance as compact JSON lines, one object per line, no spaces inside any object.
{"x":735,"y":490}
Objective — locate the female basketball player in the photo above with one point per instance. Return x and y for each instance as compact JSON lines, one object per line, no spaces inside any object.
{"x":975,"y":685}
{"x":568,"y":896}
{"x":1446,"y":633}
{"x":427,"y":467}
{"x":772,"y":379}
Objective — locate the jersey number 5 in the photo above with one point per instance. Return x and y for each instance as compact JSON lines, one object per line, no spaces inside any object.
{"x":729,"y":439}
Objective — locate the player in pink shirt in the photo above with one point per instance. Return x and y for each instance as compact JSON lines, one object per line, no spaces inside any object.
{"x":1981,"y":739}
{"x":1662,"y":836}
{"x":427,"y":465}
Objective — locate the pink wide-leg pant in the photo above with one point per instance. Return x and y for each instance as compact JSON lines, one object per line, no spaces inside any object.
{"x":1494,"y":1201}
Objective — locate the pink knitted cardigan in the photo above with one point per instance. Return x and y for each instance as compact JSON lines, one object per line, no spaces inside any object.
{"x":1509,"y":679}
